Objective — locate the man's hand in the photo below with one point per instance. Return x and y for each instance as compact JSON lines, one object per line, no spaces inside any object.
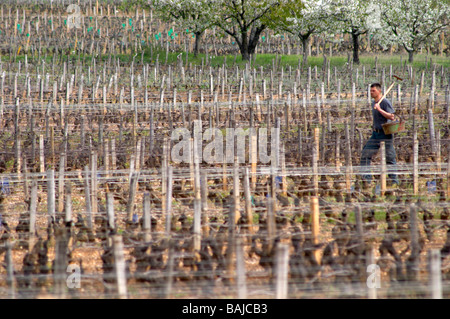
{"x":389,"y":116}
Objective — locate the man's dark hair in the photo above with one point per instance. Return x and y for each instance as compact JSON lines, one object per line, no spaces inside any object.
{"x":376,"y":85}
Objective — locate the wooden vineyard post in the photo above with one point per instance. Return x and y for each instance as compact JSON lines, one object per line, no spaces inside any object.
{"x":448,"y":176}
{"x":304,"y":103}
{"x":352,"y":112}
{"x":360,"y":240}
{"x":438,"y":151}
{"x":300,"y":147}
{"x":348,"y":169}
{"x":282,"y":266}
{"x":319,"y":109}
{"x":248,"y":201}
{"x":138,"y":154}
{"x":168,"y":199}
{"x":61,"y":114}
{"x":361,"y":142}
{"x":132,"y":195}
{"x":33,"y":211}
{"x":61,"y":184}
{"x":271,"y":226}
{"x":447,"y":104}
{"x":416,"y":101}
{"x":33,"y":135}
{"x":17,"y":137}
{"x":315,"y":225}
{"x":147,"y":227}
{"x":383,"y":168}
{"x":132,"y":163}
{"x":432,"y":132}
{"x":82,"y":129}
{"x":41,"y":153}
{"x":241,"y":284}
{"x":254,"y":157}
{"x":68,"y":203}
{"x":191,"y":162}
{"x":52,"y":146}
{"x":164,"y":177}
{"x":204,"y":202}
{"x":413,"y":261}
{"x":359,"y":229}
{"x":236,"y":191}
{"x":60,"y":265}
{"x":370,"y":263}
{"x":283,"y":171}
{"x":258,"y":107}
{"x":286,"y":116}
{"x":337,"y":151}
{"x":277,"y":146}
{"x":94,"y":195}
{"x":197,"y":199}
{"x":51,"y":195}
{"x":24,"y":175}
{"x":416,"y":167}
{"x":231,"y":242}
{"x":119,"y":267}
{"x":113,"y":154}
{"x":169,"y":273}
{"x":87,"y":196}
{"x":10,"y":271}
{"x":106,"y":156}
{"x":224,"y":176}
{"x":142,"y":153}
{"x":434,"y":270}
{"x":315,"y":163}
{"x":110,"y":210}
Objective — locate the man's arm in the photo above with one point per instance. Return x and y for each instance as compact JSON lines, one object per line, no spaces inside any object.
{"x":389,"y":116}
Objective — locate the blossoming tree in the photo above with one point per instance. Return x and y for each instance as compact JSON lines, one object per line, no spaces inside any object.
{"x":410,"y":23}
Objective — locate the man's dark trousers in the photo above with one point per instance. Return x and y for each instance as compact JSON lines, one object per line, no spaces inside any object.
{"x":371,"y":148}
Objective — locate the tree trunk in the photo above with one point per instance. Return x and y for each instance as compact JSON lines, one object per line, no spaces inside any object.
{"x":355,"y":37}
{"x":245,"y":55}
{"x":410,"y":56}
{"x":254,"y":39}
{"x":247,"y":43}
{"x":198,"y":36}
{"x":305,"y":42}
{"x":243,"y":46}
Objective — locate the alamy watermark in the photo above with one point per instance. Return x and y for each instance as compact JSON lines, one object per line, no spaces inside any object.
{"x":374,"y":279}
{"x":223,"y":146}
{"x":74,"y":18}
{"x":74,"y":279}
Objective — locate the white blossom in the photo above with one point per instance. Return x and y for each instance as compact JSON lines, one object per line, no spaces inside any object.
{"x":410,"y":23}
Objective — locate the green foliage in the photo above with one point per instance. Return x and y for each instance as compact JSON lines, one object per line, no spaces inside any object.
{"x":279,"y":18}
{"x":133,"y":4}
{"x":190,"y":16}
{"x":245,"y":21}
{"x":9,"y":165}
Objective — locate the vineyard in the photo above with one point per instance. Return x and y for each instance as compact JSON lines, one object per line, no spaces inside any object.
{"x":96,"y":203}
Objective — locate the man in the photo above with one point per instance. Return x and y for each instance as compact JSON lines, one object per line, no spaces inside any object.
{"x":381,"y":112}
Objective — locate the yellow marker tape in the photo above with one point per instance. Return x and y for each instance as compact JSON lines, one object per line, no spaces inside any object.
{"x":19,"y":50}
